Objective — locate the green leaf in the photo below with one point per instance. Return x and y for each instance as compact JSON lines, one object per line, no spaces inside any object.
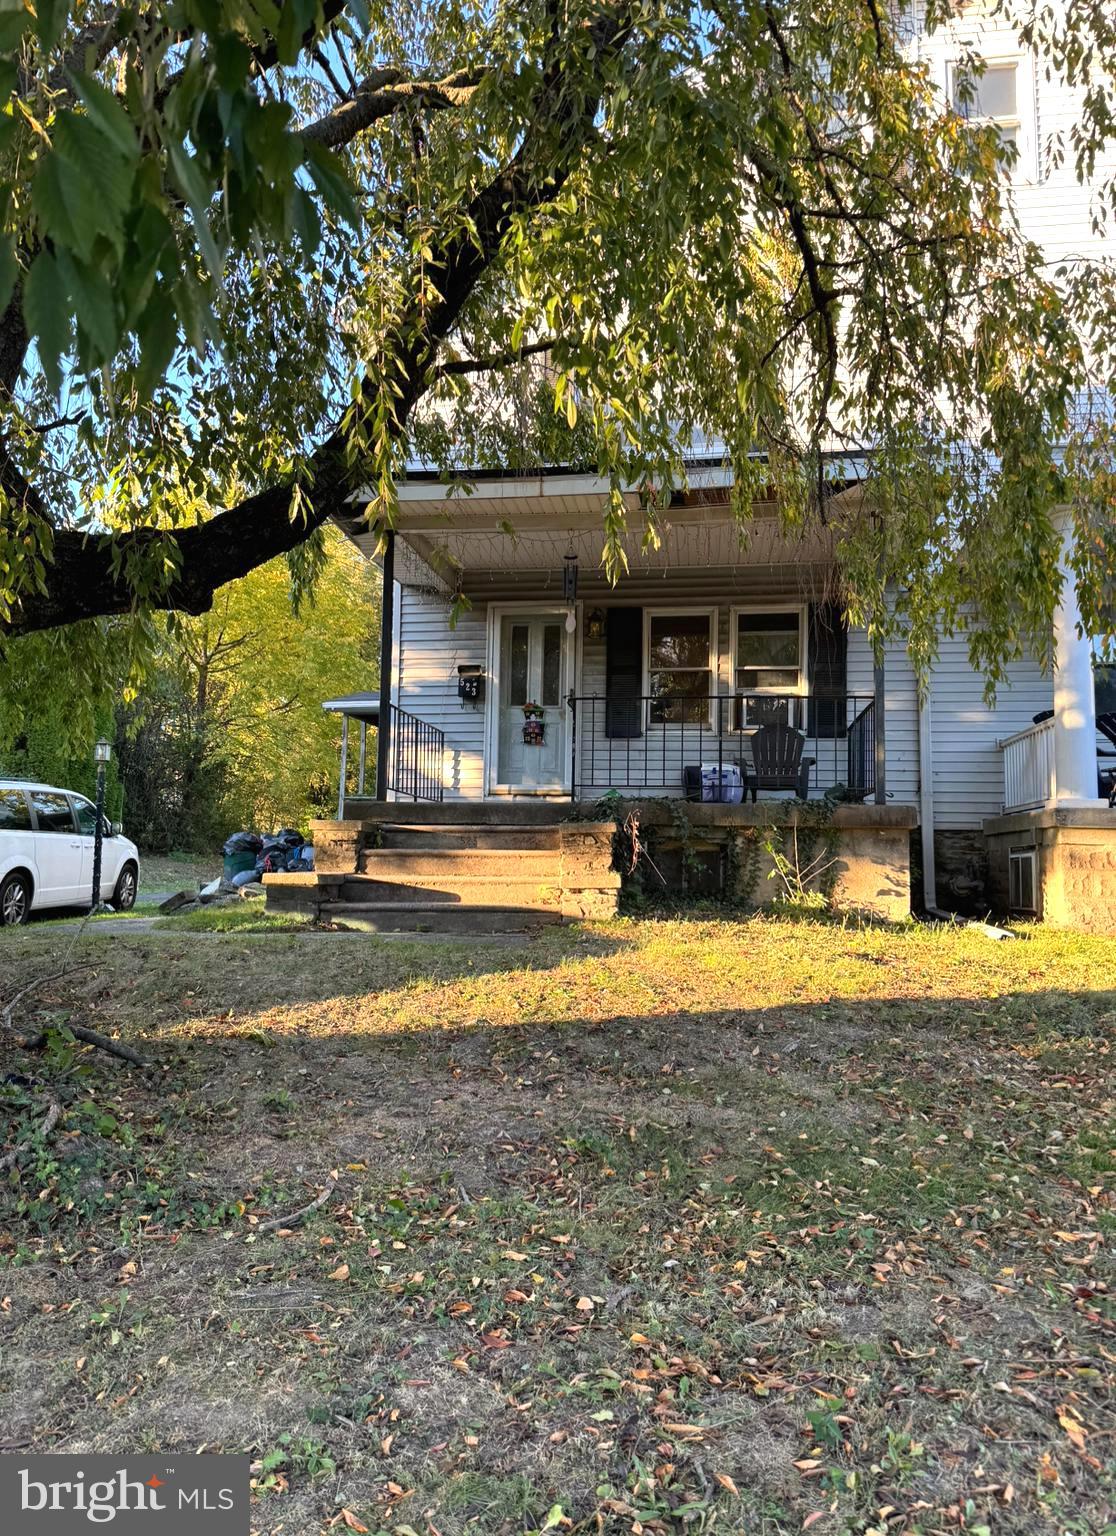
{"x":330,"y":179}
{"x":93,"y":304}
{"x":50,"y":20}
{"x":108,"y":114}
{"x":158,"y":337}
{"x":95,"y":181}
{"x":46,"y":309}
{"x":198,"y":194}
{"x":13,"y":24}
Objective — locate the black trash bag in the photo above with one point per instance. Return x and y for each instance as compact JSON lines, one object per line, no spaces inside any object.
{"x":290,"y":837}
{"x":243,"y":842}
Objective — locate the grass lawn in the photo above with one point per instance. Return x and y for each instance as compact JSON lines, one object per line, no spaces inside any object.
{"x":655,"y":1226}
{"x":160,"y":873}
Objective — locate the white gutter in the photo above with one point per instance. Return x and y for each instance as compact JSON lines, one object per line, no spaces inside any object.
{"x":926,"y":804}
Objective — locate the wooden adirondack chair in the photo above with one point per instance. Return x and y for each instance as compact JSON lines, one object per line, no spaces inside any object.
{"x":777,"y":761}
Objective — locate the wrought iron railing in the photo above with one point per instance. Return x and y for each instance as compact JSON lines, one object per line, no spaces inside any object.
{"x":637,"y":742}
{"x":416,"y":750}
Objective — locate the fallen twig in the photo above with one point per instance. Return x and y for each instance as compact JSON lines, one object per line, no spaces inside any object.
{"x":91,"y":1037}
{"x":39,"y":981}
{"x":44,"y":1128}
{"x":298,"y":1216}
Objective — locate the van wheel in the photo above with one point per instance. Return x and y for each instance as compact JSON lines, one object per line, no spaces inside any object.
{"x":15,"y":900}
{"x":124,"y":896}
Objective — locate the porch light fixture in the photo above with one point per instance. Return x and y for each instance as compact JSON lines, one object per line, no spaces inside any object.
{"x":595,"y":624}
{"x":569,"y":578}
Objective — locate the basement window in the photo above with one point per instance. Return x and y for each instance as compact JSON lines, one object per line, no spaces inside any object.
{"x":1022,"y":880}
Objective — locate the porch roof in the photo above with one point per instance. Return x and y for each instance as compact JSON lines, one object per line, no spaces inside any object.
{"x":526,"y":524}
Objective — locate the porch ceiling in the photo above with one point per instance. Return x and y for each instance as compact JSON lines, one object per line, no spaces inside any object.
{"x":528,"y":528}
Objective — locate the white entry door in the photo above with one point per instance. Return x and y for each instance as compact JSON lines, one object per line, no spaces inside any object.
{"x":531,"y":751}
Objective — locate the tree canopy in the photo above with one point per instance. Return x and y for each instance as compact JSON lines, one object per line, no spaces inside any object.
{"x":258,"y":255}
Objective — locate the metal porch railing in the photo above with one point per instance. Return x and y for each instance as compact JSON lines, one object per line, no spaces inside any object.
{"x":644,"y":742}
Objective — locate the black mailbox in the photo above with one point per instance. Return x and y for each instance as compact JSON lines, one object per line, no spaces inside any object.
{"x":470,"y":685}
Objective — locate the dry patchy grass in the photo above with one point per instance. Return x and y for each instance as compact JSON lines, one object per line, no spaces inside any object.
{"x":692,"y":1226}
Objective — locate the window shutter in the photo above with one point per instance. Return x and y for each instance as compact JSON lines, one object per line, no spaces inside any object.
{"x":624,"y":672}
{"x":827,"y":670}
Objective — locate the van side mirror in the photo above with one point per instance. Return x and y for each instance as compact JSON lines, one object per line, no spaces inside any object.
{"x":115,"y":828}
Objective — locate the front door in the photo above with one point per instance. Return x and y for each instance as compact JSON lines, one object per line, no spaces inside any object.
{"x":532,"y":712}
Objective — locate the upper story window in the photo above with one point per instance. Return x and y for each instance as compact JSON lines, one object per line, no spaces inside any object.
{"x":1001,"y":94}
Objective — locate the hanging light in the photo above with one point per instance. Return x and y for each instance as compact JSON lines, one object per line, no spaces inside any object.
{"x":569,"y":578}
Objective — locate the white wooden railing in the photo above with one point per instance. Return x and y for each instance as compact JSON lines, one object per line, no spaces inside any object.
{"x":1029,"y":767}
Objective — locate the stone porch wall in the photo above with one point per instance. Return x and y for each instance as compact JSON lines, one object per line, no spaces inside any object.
{"x":718,"y":850}
{"x":1075,"y":859}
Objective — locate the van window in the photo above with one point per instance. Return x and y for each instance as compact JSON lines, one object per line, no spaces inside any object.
{"x":52,"y":812}
{"x":86,"y":817}
{"x":14,"y":815}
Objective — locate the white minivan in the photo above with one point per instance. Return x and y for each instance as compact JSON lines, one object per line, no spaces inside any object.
{"x":47,"y":837}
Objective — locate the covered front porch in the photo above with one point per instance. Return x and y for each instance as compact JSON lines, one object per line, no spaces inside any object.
{"x":715,"y":669}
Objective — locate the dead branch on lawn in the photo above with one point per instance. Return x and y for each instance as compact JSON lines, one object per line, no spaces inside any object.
{"x":91,"y":1037}
{"x":298,"y":1216}
{"x":44,"y":1128}
{"x":39,"y":981}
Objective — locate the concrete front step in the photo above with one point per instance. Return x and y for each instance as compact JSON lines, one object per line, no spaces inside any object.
{"x":420,"y":917}
{"x":439,"y":863}
{"x":487,"y":890}
{"x":514,"y":837}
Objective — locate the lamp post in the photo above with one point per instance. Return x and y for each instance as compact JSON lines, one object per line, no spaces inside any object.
{"x":101,"y":754}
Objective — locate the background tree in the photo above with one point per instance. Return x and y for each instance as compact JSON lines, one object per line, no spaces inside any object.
{"x":257,"y":256}
{"x":229,"y":731}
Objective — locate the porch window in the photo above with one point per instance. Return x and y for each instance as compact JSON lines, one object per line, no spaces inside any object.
{"x":770,"y":659}
{"x":771,"y":651}
{"x":680,"y":666}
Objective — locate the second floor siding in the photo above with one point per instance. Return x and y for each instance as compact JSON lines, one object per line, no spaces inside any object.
{"x":1054,"y":209}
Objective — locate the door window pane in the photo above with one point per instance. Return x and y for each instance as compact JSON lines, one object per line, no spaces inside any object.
{"x":551,"y":664}
{"x":86,"y":817}
{"x":14,"y":815}
{"x":519,"y":648}
{"x":52,"y":812}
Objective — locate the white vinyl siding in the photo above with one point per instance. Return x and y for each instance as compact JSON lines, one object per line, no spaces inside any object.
{"x":429,"y":655}
{"x":968,"y":766}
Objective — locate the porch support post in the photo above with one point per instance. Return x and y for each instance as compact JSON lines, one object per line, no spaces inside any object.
{"x":387,"y":617}
{"x":344,"y":767}
{"x":362,"y":757}
{"x":879,"y":724}
{"x":1075,"y":721}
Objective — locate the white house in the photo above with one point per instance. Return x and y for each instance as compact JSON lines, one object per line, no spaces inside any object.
{"x":732,"y":658}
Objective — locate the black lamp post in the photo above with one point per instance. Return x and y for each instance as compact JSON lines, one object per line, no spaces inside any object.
{"x":101,"y":754}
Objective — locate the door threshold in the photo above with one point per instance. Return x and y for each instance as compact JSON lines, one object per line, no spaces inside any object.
{"x":501,"y":792}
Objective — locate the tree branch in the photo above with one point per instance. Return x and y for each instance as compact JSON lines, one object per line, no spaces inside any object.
{"x":87,"y":576}
{"x":460,"y":365}
{"x":381,"y":94}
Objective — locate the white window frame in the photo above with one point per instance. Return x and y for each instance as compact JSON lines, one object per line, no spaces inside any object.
{"x":678,"y":611}
{"x":1026,"y":168}
{"x":802,"y":610}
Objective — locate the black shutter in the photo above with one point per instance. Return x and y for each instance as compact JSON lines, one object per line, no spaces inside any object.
{"x":827,"y":670}
{"x":624,"y":672}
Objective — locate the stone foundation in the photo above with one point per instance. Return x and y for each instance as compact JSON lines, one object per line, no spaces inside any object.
{"x":718,"y":849}
{"x":1075,"y":859}
{"x":961,"y":871}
